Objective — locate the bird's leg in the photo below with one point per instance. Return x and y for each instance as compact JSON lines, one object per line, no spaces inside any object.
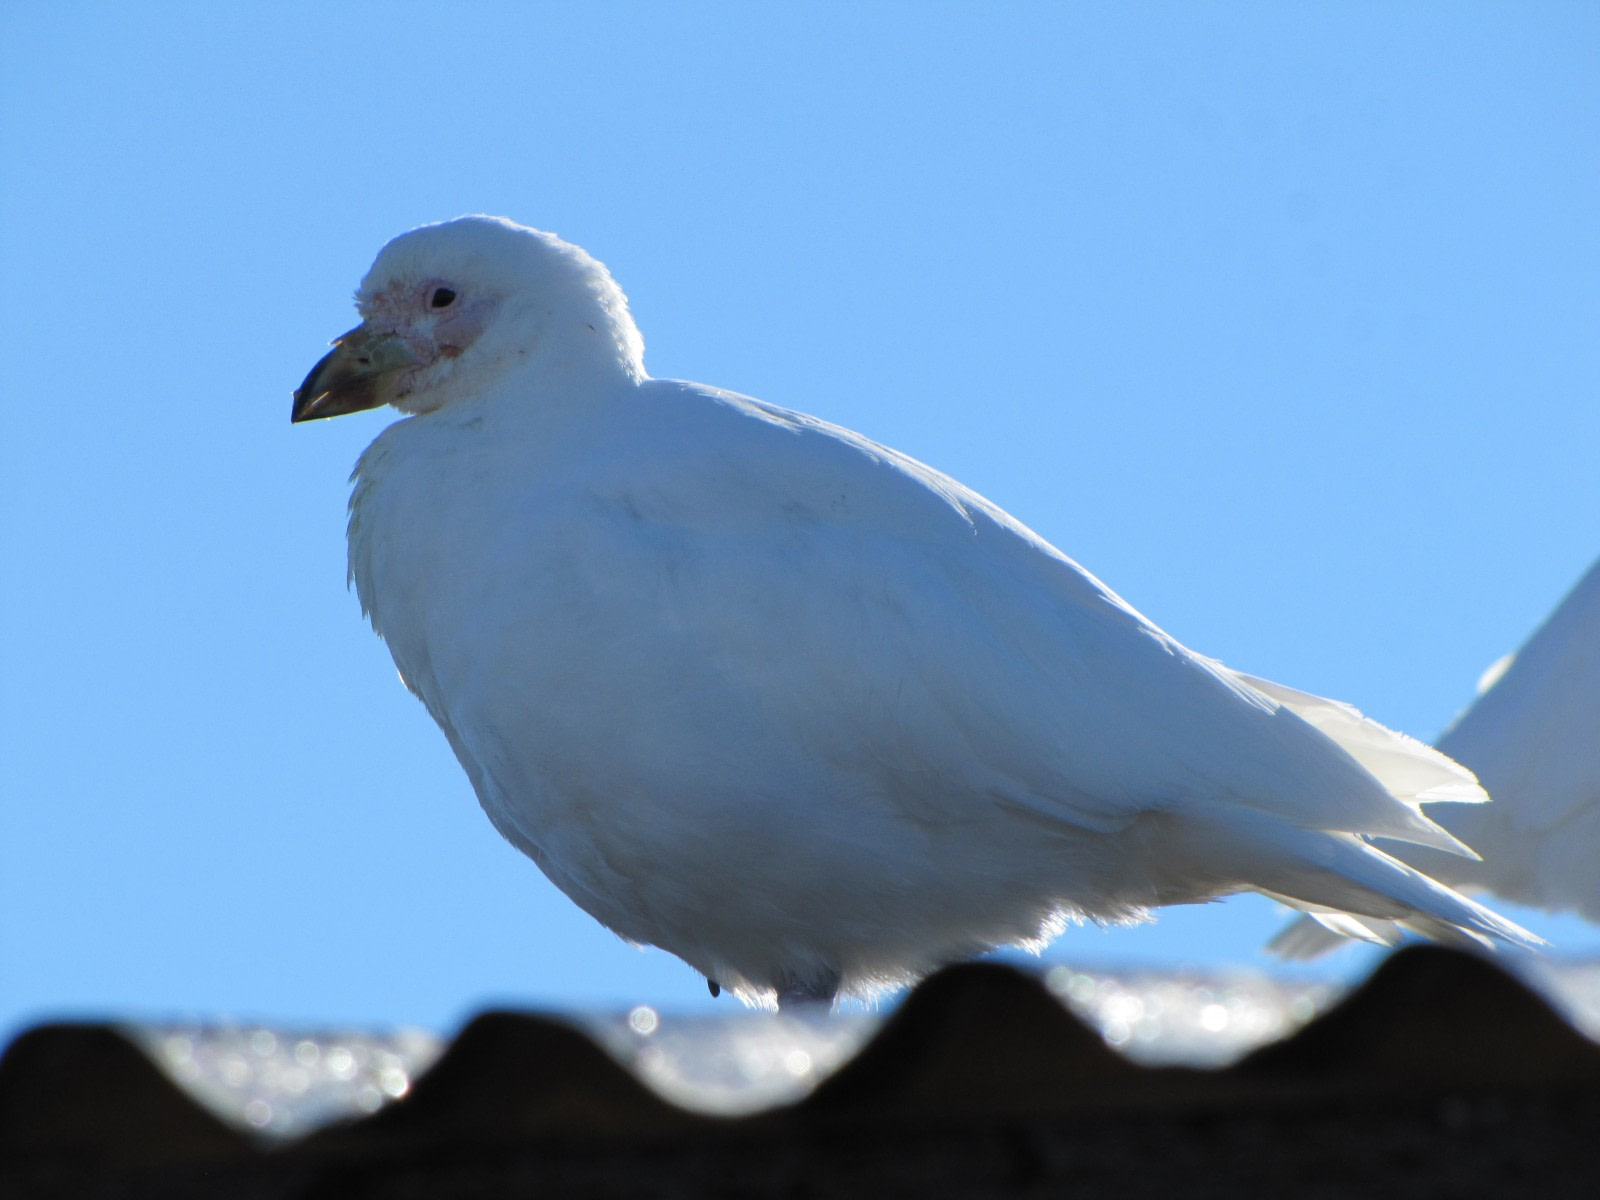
{"x":806,"y":995}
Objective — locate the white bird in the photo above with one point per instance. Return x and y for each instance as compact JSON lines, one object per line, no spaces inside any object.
{"x":1533,"y":737}
{"x":791,"y":705}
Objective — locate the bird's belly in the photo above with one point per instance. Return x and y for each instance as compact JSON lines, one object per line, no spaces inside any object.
{"x":723,"y":768}
{"x":673,"y":810}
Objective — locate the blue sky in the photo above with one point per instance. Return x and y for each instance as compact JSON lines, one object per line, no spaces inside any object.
{"x":1279,"y":318}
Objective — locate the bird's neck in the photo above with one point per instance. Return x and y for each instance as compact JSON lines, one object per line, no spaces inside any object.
{"x":558,"y":371}
{"x":578,"y":356}
{"x":550,"y":385}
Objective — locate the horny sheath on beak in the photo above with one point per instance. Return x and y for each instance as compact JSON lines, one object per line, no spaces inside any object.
{"x":350,"y":377}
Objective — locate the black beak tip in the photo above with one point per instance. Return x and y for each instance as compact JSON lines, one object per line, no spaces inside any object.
{"x":343,"y":381}
{"x":304,"y":401}
{"x":311,"y":390}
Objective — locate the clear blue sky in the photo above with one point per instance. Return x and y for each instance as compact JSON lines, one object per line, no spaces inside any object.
{"x":1280,"y":318}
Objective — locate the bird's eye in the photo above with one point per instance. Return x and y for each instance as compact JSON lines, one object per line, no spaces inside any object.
{"x":442,"y":298}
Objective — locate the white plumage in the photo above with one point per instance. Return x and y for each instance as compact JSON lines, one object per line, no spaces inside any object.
{"x":1533,"y":737}
{"x":799,"y":709}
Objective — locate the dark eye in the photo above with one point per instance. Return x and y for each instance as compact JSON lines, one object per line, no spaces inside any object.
{"x":442,"y":298}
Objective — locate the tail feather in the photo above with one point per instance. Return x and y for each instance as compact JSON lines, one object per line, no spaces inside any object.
{"x":1345,"y":883}
{"x":1311,"y":935}
{"x":1413,"y":772}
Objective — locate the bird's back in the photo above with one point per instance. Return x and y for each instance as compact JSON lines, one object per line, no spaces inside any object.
{"x":761,"y":691}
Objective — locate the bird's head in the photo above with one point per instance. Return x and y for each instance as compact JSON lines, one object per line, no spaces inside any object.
{"x":447,"y":309}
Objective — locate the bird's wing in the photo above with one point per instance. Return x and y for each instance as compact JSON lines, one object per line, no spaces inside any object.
{"x":871,"y":594}
{"x":1412,"y":771}
{"x":1534,"y":735}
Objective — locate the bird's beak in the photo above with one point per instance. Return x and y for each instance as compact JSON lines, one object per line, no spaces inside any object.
{"x":347,"y":378}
